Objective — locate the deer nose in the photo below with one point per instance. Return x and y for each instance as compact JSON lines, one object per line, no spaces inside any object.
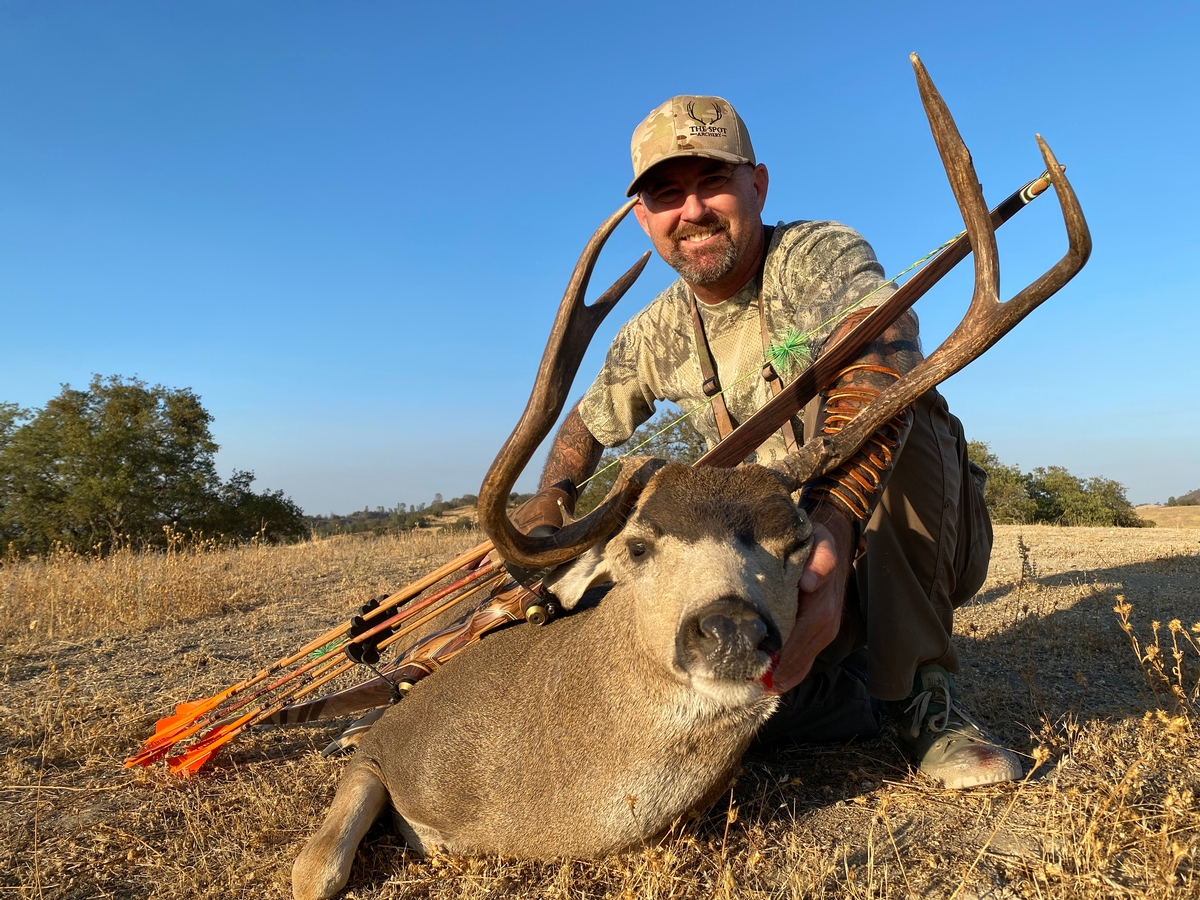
{"x":727,"y":638}
{"x":727,"y":630}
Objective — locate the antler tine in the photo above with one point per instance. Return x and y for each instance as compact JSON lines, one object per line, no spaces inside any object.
{"x":573,"y":329}
{"x":987,"y":319}
{"x":960,"y":171}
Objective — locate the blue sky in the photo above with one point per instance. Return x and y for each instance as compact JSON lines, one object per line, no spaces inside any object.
{"x":347,"y":226}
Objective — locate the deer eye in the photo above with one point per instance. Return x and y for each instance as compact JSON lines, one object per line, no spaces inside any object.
{"x":637,"y":548}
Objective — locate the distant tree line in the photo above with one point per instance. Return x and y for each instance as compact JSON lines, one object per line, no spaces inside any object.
{"x":1046,"y":495}
{"x":1051,"y":495}
{"x":1191,"y":498}
{"x":380,"y":520}
{"x":401,"y":517}
{"x":123,"y":462}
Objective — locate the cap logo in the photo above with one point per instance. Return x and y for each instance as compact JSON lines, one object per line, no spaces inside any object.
{"x":688,"y":125}
{"x":706,"y":116}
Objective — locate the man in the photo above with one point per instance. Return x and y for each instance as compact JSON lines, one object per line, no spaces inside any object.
{"x":919,"y":513}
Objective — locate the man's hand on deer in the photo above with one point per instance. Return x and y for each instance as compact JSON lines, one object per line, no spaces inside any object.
{"x":822,"y":593}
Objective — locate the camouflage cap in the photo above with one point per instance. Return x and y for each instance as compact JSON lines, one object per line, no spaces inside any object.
{"x":689,"y":126}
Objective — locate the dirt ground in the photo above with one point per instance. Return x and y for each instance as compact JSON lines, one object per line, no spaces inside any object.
{"x":1108,"y":810}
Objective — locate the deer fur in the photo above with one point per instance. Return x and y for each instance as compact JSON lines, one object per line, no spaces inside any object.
{"x":597,"y":732}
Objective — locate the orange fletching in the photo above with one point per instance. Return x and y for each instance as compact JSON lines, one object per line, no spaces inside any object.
{"x":171,"y":730}
{"x":186,"y":713}
{"x":190,"y":761}
{"x":146,"y":756}
{"x":158,"y":747}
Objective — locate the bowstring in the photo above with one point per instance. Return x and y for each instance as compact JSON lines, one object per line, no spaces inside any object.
{"x":777,"y":352}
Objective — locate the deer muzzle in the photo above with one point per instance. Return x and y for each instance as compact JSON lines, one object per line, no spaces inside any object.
{"x":727,"y":640}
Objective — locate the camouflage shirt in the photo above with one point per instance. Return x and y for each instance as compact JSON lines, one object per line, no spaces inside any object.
{"x":813,"y":271}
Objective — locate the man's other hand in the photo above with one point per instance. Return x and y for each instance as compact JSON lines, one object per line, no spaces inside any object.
{"x":822,"y":593}
{"x":544,"y":508}
{"x":541,"y":511}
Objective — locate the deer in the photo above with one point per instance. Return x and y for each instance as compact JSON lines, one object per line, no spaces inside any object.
{"x":600,"y":731}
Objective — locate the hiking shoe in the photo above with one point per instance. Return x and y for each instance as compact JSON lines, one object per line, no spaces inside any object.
{"x":946,"y":742}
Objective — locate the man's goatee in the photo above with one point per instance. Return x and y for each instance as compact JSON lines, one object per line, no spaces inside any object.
{"x":703,"y":271}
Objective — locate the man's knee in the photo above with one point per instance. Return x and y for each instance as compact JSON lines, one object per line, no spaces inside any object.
{"x":973,"y":552}
{"x":933,"y":512}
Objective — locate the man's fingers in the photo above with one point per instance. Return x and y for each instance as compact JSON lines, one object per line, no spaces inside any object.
{"x":822,"y":589}
{"x":816,"y":626}
{"x":821,"y":562}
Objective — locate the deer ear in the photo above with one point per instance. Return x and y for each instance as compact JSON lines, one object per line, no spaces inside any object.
{"x":571,"y":581}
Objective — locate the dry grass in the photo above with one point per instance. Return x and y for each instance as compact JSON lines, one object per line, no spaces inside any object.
{"x":1110,"y":809}
{"x":1171,"y":516}
{"x":68,"y":596}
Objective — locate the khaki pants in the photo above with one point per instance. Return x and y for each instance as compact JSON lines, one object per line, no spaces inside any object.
{"x":928,"y":546}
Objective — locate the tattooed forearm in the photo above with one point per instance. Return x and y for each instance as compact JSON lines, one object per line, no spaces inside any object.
{"x":574,"y":454}
{"x":854,"y":487}
{"x":899,"y":348}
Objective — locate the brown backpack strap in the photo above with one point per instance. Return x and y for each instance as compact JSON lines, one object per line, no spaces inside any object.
{"x":712,"y":387}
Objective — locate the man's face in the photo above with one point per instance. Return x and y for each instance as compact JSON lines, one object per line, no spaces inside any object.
{"x":704,"y":217}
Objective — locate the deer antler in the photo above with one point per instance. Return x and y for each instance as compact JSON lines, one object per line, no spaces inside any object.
{"x":987,"y":319}
{"x":569,"y":338}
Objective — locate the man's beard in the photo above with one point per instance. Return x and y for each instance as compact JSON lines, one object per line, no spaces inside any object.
{"x":714,"y":264}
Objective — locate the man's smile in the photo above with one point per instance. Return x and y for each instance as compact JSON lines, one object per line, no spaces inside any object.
{"x":702,"y":252}
{"x":701,"y":238}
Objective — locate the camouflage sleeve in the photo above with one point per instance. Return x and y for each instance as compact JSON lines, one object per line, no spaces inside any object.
{"x":619,"y":400}
{"x":827,"y":269}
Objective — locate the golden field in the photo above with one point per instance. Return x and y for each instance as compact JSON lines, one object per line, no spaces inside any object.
{"x":94,"y":650}
{"x":1171,"y":516}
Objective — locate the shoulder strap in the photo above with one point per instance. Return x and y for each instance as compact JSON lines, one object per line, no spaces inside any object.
{"x":712,"y":387}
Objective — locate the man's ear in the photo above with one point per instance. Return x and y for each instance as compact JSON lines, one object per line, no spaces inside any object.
{"x":639,"y":210}
{"x":761,"y":181}
{"x":571,"y":581}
